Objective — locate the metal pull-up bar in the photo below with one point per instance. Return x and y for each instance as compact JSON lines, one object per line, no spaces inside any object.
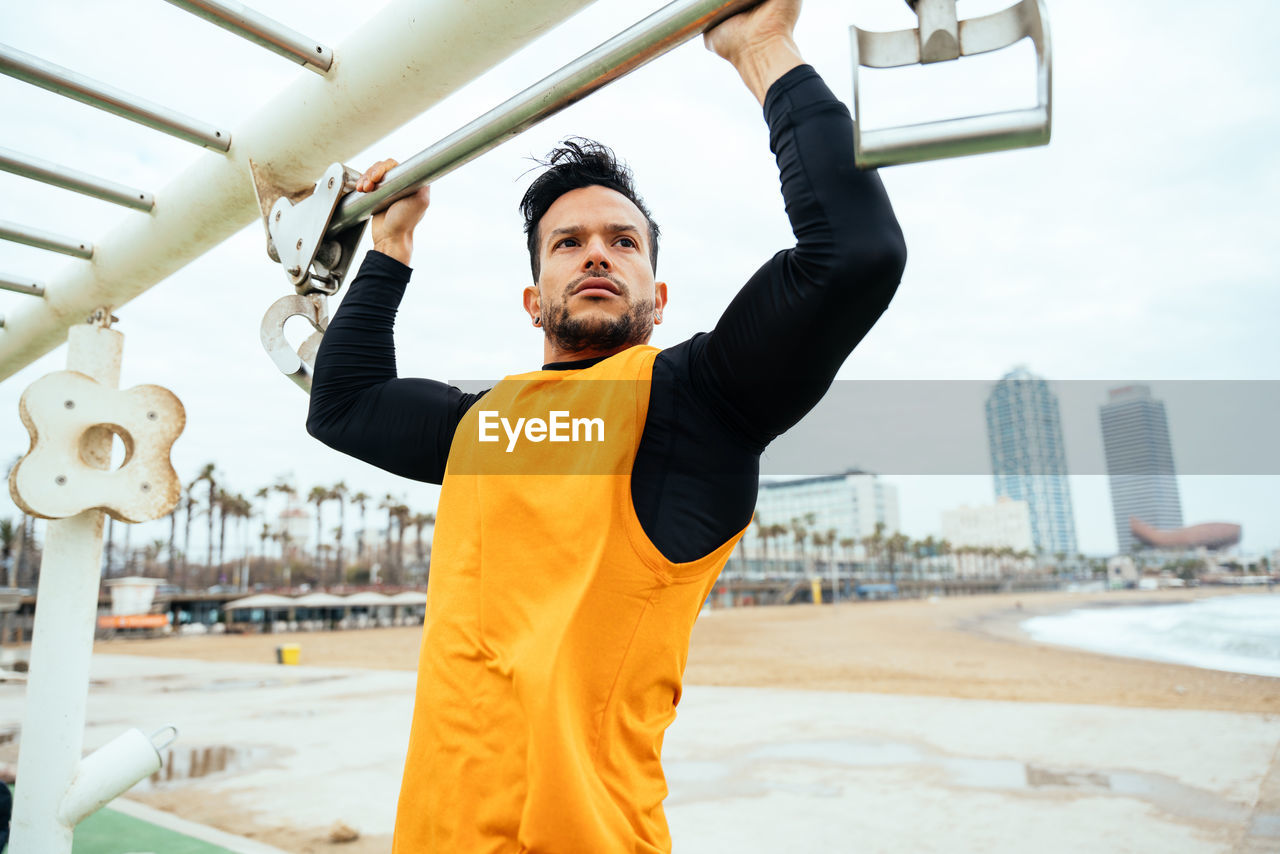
{"x":21,"y":286}
{"x":661,"y":32}
{"x":45,"y":240}
{"x":262,"y":31}
{"x":62,"y":81}
{"x":78,"y":182}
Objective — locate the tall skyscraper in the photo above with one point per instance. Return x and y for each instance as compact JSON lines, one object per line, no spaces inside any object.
{"x":1144,"y":485}
{"x":1024,"y":433}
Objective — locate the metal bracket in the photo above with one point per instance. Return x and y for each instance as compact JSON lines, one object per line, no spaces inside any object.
{"x":297,"y":366}
{"x":314,"y":261}
{"x":56,"y":479}
{"x":941,"y":37}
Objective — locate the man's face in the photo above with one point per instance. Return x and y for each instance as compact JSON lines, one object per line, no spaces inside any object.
{"x":596,"y":289}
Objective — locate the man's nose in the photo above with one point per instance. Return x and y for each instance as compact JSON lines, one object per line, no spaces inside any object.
{"x":597,"y":256}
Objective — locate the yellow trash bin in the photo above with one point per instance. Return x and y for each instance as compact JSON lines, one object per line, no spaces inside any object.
{"x":288,"y":653}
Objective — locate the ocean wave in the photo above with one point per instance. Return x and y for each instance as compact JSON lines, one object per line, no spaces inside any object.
{"x":1239,"y":634}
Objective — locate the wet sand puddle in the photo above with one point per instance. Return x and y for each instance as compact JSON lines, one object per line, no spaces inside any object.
{"x":182,"y":764}
{"x":771,"y":768}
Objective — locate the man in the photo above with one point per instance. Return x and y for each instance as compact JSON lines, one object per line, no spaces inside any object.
{"x":587,"y":508}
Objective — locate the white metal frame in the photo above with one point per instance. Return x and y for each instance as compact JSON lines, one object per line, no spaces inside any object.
{"x":410,"y":56}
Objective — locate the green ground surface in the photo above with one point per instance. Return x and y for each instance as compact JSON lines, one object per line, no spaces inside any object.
{"x":110,"y":832}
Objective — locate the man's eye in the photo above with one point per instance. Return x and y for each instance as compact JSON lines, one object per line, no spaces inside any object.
{"x":565,"y":242}
{"x":628,"y":242}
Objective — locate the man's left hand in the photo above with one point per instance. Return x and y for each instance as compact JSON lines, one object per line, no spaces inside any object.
{"x":759,"y":43}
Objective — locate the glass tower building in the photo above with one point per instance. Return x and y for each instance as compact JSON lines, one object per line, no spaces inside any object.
{"x":1144,"y":485}
{"x":1024,"y":435}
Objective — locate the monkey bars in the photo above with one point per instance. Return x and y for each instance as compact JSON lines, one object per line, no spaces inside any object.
{"x":412,"y":54}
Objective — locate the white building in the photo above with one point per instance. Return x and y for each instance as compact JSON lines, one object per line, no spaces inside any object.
{"x":298,"y":525}
{"x":1007,"y":523}
{"x":850,"y":503}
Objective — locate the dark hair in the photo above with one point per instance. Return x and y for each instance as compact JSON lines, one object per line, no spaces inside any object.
{"x":574,"y":164}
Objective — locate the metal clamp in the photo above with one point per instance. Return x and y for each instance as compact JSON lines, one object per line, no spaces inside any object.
{"x":941,"y":37}
{"x":314,"y":261}
{"x":300,"y":365}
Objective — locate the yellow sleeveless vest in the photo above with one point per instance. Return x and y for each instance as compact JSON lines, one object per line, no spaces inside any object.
{"x":556,"y":633}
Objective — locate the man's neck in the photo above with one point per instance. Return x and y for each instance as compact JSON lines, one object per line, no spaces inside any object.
{"x":551,"y":354}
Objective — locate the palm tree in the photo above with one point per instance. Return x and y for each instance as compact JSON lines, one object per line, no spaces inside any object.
{"x":873,"y":544}
{"x":360,"y":499}
{"x":420,"y":521}
{"x":225,"y":502}
{"x":263,"y":536}
{"x":318,"y":496}
{"x":188,"y":506}
{"x":150,"y":552}
{"x":800,"y":532}
{"x":829,"y":539}
{"x":339,"y":493}
{"x":846,"y":546}
{"x":240,"y":510}
{"x":388,"y":503}
{"x":944,"y":550}
{"x":8,"y":536}
{"x":402,"y":515}
{"x":173,"y":542}
{"x":109,"y":547}
{"x":894,"y":546}
{"x":207,"y":474}
{"x":764,"y":535}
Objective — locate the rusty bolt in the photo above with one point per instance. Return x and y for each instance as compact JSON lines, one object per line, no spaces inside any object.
{"x":146,"y":487}
{"x":70,"y":404}
{"x":330,"y":183}
{"x":152,"y":416}
{"x":277,"y":216}
{"x":60,"y":479}
{"x":299,"y":246}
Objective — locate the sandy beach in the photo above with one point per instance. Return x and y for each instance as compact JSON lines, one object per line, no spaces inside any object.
{"x":965,"y":647}
{"x":797,"y":723}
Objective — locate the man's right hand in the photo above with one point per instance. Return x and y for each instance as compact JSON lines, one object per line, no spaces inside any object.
{"x":393,"y":227}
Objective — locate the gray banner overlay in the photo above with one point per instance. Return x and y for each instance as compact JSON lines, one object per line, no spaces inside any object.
{"x":923,"y":427}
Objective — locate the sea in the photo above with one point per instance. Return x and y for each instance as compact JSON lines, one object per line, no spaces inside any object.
{"x":1239,"y":634}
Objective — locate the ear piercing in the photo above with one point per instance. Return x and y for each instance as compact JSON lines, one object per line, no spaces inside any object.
{"x":537,"y":321}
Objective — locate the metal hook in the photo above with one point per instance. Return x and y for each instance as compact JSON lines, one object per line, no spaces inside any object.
{"x":297,"y":366}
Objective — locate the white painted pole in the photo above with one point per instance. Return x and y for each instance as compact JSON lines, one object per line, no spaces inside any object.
{"x":401,"y":62}
{"x":62,"y":638}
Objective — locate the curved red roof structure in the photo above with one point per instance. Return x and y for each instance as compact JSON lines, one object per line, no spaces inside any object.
{"x":1210,"y":535}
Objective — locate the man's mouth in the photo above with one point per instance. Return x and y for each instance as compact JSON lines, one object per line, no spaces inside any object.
{"x":596,"y":286}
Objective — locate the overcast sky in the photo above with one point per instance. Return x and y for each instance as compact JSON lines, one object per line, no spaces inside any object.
{"x":1141,"y":244}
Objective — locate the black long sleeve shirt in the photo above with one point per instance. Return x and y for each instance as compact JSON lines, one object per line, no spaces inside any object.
{"x":717,"y":399}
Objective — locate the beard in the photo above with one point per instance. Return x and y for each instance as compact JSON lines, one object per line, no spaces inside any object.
{"x":597,"y":332}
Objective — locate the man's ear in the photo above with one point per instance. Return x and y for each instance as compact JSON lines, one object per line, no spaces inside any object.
{"x":659,"y":300}
{"x":533,"y":304}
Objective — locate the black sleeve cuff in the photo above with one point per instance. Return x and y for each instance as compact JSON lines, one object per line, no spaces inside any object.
{"x":377,"y":262}
{"x":774,"y":101}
